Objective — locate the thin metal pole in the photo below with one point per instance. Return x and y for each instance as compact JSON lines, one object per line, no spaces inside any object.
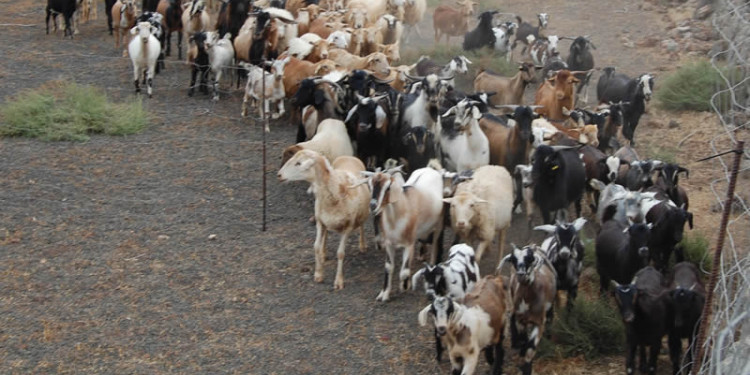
{"x":263,"y":147}
{"x":708,"y":306}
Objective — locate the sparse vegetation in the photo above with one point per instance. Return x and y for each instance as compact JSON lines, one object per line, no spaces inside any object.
{"x":591,"y":328}
{"x":480,"y":59}
{"x":689,"y":88}
{"x":65,"y":111}
{"x":695,"y":248}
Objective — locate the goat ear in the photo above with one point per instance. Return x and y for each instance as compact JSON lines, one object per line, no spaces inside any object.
{"x":476,"y":113}
{"x":546,"y":228}
{"x":416,"y":278}
{"x":319,"y":97}
{"x":134,"y":31}
{"x":449,"y":112}
{"x":423,"y":315}
{"x":579,"y":223}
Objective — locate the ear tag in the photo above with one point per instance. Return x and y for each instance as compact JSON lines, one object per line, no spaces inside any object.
{"x":555,"y":167}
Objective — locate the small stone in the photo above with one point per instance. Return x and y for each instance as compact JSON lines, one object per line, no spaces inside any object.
{"x":211,"y":237}
{"x":683,"y":29}
{"x":673,"y":124}
{"x":162,"y":237}
{"x":670,"y":45}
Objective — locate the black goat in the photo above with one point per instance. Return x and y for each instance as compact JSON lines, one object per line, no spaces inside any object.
{"x":173,"y":20}
{"x":645,"y":309}
{"x":668,"y":229}
{"x":482,"y":35}
{"x":149,"y":5}
{"x":688,"y":296}
{"x":232,"y":15}
{"x":65,"y":7}
{"x":559,"y":178}
{"x":200,"y":64}
{"x":621,"y":251}
{"x":636,"y":91}
{"x":581,"y":59}
{"x":108,"y":4}
{"x":666,"y":185}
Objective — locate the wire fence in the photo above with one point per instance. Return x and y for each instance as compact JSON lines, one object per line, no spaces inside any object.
{"x":728,"y":337}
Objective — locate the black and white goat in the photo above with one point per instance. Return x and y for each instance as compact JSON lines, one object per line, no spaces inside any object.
{"x":565,"y":251}
{"x":533,"y":287}
{"x":469,"y":328}
{"x":525,"y":29}
{"x":635,"y":91}
{"x":453,"y":278}
{"x":482,"y":35}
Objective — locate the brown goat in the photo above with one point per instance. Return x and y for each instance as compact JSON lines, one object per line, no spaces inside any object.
{"x":509,"y":89}
{"x":555,"y":93}
{"x":450,"y":21}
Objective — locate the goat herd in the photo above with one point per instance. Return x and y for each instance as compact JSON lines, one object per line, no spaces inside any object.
{"x":471,"y":159}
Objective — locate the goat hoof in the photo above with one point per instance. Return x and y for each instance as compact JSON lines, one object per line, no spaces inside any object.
{"x":338,"y":285}
{"x":190,"y":93}
{"x":382,"y":296}
{"x":318,"y":277}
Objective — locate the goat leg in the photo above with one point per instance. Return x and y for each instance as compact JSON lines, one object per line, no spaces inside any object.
{"x":438,"y":346}
{"x":320,"y":250}
{"x":362,"y":244}
{"x":497,"y":367}
{"x":405,"y":273}
{"x":675,"y":348}
{"x":384,"y":294}
{"x":339,"y":281}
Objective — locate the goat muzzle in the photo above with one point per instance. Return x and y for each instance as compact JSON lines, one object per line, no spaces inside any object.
{"x":441,"y":331}
{"x":643,"y":252}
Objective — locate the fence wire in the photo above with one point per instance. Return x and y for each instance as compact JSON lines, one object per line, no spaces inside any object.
{"x":728,"y":337}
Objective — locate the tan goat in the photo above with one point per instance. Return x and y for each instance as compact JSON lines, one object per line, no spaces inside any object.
{"x":339,"y":206}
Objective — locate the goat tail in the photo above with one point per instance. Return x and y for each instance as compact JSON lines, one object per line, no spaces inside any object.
{"x":518,"y":18}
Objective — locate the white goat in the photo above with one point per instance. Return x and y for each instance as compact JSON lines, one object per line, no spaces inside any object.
{"x":524,"y":170}
{"x":274,"y":93}
{"x":339,"y":206}
{"x":144,"y":51}
{"x":220,"y":56}
{"x":340,"y":39}
{"x":481,"y":207}
{"x":469,"y":148}
{"x":502,"y":39}
{"x":406,"y":212}
{"x":331,"y":140}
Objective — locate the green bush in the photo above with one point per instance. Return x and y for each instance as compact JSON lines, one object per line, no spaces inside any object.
{"x":695,"y":249}
{"x":591,"y":328}
{"x":688,"y":88}
{"x":69,"y":112}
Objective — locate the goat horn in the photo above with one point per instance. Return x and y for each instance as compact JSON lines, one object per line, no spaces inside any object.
{"x":358,"y":183}
{"x":446,"y":78}
{"x":560,"y":148}
{"x":683,"y":169}
{"x":413,"y":78}
{"x":692,"y":286}
{"x":614,"y":283}
{"x":533,"y":107}
{"x":634,"y":280}
{"x":506,"y":106}
{"x":501,"y":264}
{"x":367,"y":174}
{"x":384,"y":81}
